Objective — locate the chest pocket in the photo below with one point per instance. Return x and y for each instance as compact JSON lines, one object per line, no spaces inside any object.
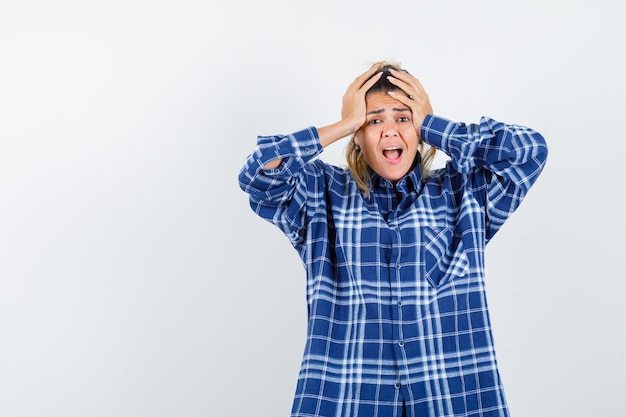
{"x":443,"y":255}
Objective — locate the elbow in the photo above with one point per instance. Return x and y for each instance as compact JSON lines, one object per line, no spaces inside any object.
{"x":540,"y":149}
{"x":244,"y":179}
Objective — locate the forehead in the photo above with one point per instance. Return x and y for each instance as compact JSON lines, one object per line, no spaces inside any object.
{"x":383,"y":102}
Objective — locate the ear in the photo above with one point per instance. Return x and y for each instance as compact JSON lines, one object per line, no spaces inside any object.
{"x":357,"y":138}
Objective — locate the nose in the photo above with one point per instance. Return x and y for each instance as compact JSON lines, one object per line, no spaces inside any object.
{"x":390,"y":131}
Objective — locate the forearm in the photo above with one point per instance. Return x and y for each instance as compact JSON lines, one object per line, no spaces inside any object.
{"x":327,"y":135}
{"x":490,"y":144}
{"x":286,"y":153}
{"x":336,"y":131}
{"x":273,"y":164}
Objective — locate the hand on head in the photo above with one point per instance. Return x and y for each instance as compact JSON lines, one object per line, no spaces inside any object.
{"x":353,"y":101}
{"x":415,"y":97}
{"x":409,"y":92}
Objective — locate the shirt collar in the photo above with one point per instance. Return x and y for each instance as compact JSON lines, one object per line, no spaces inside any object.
{"x":411,"y":182}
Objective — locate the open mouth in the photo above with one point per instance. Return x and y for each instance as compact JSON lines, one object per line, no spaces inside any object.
{"x":392,"y":153}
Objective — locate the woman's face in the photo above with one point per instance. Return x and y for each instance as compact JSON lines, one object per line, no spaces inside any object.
{"x":388,"y":139}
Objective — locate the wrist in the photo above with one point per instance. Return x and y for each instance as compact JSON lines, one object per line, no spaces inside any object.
{"x":336,"y":131}
{"x":350,"y":126}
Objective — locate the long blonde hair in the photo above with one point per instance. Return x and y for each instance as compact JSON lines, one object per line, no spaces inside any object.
{"x":354,"y":156}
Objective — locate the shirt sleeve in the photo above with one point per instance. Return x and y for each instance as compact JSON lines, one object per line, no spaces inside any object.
{"x":276,"y":194}
{"x":501,"y":161}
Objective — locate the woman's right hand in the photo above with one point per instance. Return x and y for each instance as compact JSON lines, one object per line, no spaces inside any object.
{"x":353,"y":111}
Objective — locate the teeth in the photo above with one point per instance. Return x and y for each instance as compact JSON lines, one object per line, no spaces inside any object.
{"x":392,"y":148}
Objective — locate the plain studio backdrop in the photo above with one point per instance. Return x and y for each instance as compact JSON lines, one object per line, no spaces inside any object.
{"x":136,"y":281}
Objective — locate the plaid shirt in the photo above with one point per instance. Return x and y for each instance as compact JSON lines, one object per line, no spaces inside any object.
{"x":397,"y":311}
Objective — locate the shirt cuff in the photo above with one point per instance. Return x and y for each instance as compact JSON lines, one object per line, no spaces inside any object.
{"x":294,"y":149}
{"x":305,"y":143}
{"x":436,"y":130}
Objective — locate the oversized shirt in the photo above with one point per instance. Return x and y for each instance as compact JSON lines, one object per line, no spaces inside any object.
{"x":397,"y":312}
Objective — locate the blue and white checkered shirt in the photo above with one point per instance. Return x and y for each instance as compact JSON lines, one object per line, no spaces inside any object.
{"x":397,"y":311}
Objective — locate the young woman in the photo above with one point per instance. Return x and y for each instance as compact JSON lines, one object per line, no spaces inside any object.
{"x":394,"y":252}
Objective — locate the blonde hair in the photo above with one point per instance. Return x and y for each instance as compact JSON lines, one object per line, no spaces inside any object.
{"x":354,"y":156}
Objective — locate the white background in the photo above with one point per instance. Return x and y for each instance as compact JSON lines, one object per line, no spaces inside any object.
{"x":136,"y":281}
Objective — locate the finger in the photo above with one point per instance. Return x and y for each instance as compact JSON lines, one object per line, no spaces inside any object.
{"x":361,"y":79}
{"x":418,"y":104}
{"x":402,"y":75}
{"x":372,"y":80}
{"x":408,"y":83}
{"x":419,"y":86}
{"x":403,"y":98}
{"x":407,"y":88}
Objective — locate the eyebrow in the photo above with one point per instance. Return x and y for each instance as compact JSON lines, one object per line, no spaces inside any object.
{"x":397,"y":109}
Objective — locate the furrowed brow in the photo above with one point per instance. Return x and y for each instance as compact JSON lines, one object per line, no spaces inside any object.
{"x":396,"y":109}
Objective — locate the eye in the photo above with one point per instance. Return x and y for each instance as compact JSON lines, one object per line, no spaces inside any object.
{"x":404,"y":119}
{"x":373,"y":122}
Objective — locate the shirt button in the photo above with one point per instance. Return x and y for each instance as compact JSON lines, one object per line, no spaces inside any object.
{"x":397,"y":266}
{"x":401,"y":343}
{"x":399,"y":303}
{"x":397,"y":385}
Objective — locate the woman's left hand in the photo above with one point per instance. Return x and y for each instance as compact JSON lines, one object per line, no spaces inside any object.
{"x":415,"y":97}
